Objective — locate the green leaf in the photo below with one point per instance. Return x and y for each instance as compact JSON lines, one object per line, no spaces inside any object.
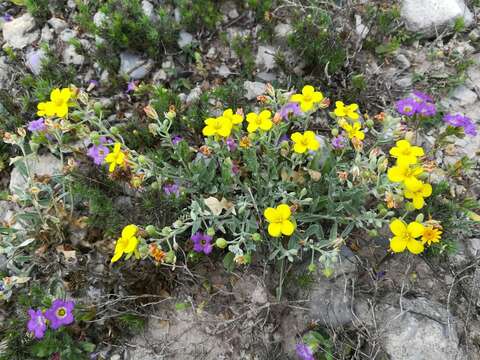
{"x":228,"y":262}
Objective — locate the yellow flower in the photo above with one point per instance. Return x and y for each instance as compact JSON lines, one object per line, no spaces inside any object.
{"x":221,"y":126}
{"x":405,"y":153}
{"x":305,"y":142}
{"x":401,"y":172}
{"x":127,"y":243}
{"x":235,"y":119}
{"x":116,"y":157}
{"x":279,"y":219}
{"x":431,"y":235}
{"x":307,"y":98}
{"x":349,"y":111}
{"x":245,"y":142}
{"x":405,"y":236}
{"x":417,"y":190}
{"x":353,"y":131}
{"x":58,"y":104}
{"x":262,"y":121}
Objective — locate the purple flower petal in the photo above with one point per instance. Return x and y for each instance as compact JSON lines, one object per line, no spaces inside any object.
{"x":406,"y":106}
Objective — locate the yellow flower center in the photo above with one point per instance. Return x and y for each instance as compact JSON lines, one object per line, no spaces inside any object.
{"x":61,"y":312}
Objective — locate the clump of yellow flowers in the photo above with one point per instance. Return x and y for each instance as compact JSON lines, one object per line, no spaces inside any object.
{"x":279,"y":220}
{"x":58,"y":104}
{"x":127,"y":243}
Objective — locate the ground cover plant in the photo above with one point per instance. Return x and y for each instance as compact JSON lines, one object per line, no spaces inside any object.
{"x":263,"y":159}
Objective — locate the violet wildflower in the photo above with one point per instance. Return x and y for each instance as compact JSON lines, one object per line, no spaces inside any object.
{"x":37,"y":125}
{"x":98,"y":152}
{"x":235,"y":169}
{"x":170,"y":189}
{"x":202,"y":243}
{"x":37,"y":323}
{"x":283,"y":138}
{"x":231,"y":144}
{"x":422,"y":96}
{"x":92,"y":84}
{"x":131,"y":86}
{"x":338,"y":142}
{"x":426,"y":109}
{"x":176,"y":139}
{"x":304,"y":352}
{"x":459,"y":120}
{"x":60,"y":313}
{"x":7,"y":17}
{"x":406,"y":106}
{"x":290,"y":109}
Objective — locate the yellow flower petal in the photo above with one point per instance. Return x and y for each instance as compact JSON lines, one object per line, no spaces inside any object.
{"x":418,"y":202}
{"x":287,"y":228}
{"x":398,"y":227}
{"x":296,"y":137}
{"x":275,"y":229}
{"x":129,"y":231}
{"x":284,"y":211}
{"x":415,"y":229}
{"x":306,"y":105}
{"x":398,"y":244}
{"x":396,"y":173}
{"x":270,"y":214}
{"x":308,"y":90}
{"x":426,"y":190}
{"x":266,"y":124}
{"x":132,"y":245}
{"x":296,"y":98}
{"x":415,"y":247}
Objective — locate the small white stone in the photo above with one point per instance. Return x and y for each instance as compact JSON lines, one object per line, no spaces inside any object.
{"x":58,"y":24}
{"x":265,"y":57}
{"x":254,"y":89}
{"x":19,"y":33}
{"x":185,"y":39}
{"x":70,"y":56}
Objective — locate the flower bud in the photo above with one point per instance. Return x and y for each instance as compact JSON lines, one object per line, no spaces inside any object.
{"x":256,"y":237}
{"x":94,"y":137}
{"x":327,"y":272}
{"x":177,"y":224}
{"x":167,"y":230}
{"x":97,"y":107}
{"x":33,"y":146}
{"x":419,"y":218}
{"x":170,"y":257}
{"x":373,"y":233}
{"x":142,"y":160}
{"x":114,"y":130}
{"x":312,"y":268}
{"x":155,"y":185}
{"x":210,"y":231}
{"x":151,"y":230}
{"x":335,"y":132}
{"x":221,"y":243}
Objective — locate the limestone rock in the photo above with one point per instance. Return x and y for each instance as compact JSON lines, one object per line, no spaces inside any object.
{"x":430,"y":17}
{"x":20,"y":32}
{"x":254,"y":89}
{"x":42,"y":165}
{"x":134,"y":66}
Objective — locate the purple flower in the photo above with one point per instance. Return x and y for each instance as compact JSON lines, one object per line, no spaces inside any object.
{"x":60,"y":313}
{"x":170,"y":189}
{"x":231,"y":144}
{"x":37,"y":125}
{"x":7,"y":17}
{"x":459,"y":120}
{"x":422,"y":96}
{"x":283,"y":138}
{"x":426,"y":109}
{"x":290,"y":108}
{"x":304,"y":352}
{"x":176,"y":139}
{"x":131,"y":86}
{"x":406,"y":106}
{"x":202,"y":243}
{"x":98,"y":152}
{"x":235,"y":169}
{"x":37,"y":323}
{"x":92,"y":84}
{"x":338,"y":142}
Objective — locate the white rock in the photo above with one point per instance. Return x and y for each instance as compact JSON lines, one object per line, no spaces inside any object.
{"x":68,"y":34}
{"x":147,"y":8}
{"x":184,"y":39}
{"x":70,"y":56}
{"x":266,"y":76}
{"x":34,"y":60}
{"x":360,"y":28}
{"x":4,"y":71}
{"x":464,"y":95}
{"x":58,"y":24}
{"x":47,"y":34}
{"x":42,"y":165}
{"x":134,"y":66}
{"x":99,"y":18}
{"x":254,"y":89}
{"x":19,"y":33}
{"x":265,"y":57}
{"x":159,"y":76}
{"x":194,"y":95}
{"x":283,"y":30}
{"x":430,"y":17}
{"x":224,"y":71}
